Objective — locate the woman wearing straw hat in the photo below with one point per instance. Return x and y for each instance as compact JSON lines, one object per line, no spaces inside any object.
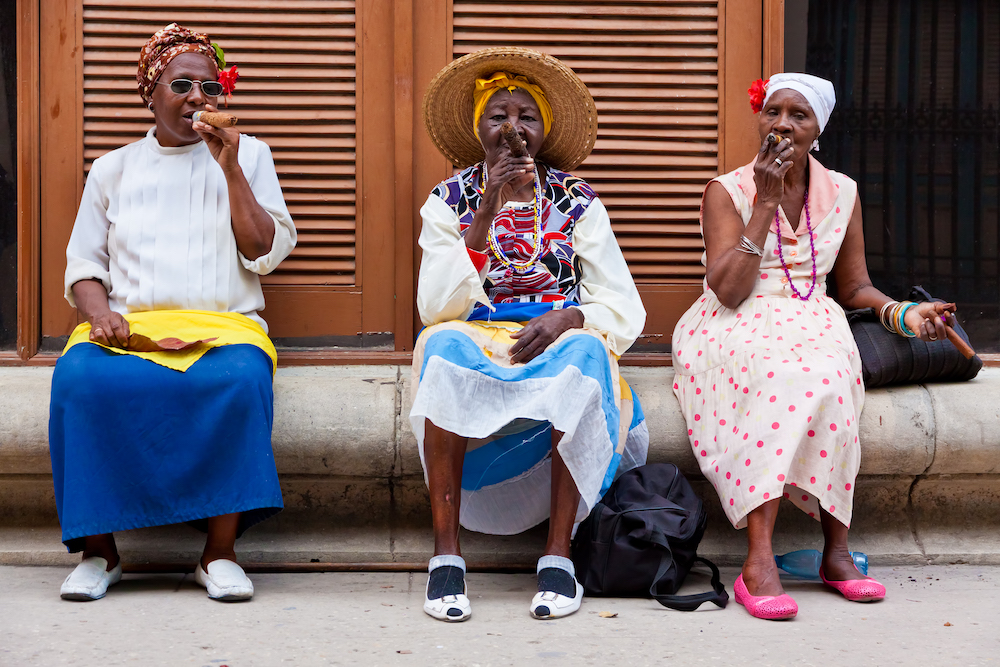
{"x":519,"y":411}
{"x":768,"y":374}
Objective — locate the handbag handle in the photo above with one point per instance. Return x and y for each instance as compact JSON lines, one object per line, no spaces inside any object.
{"x":717,"y":596}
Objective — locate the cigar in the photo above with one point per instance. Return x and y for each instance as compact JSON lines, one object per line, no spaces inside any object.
{"x":773,"y":138}
{"x":215,"y":118}
{"x":959,"y":343}
{"x":140,"y":343}
{"x":513,"y":139}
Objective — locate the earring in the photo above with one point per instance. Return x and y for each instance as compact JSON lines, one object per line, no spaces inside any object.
{"x":815,"y":145}
{"x":150,"y":106}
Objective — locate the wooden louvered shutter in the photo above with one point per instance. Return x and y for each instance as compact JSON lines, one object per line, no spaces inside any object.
{"x":296,"y":92}
{"x":652,"y":67}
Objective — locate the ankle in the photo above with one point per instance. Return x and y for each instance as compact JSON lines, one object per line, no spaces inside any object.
{"x":211,"y":556}
{"x":836,"y":553}
{"x":443,"y":560}
{"x":760,"y":560}
{"x":446,"y":576}
{"x":556,"y":574}
{"x":111,"y":556}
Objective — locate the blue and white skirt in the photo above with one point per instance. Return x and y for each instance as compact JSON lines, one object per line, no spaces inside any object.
{"x":135,"y":444}
{"x":464,"y":382}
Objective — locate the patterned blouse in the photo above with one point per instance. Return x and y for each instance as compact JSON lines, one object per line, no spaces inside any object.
{"x":556,"y":274}
{"x":580,"y":258}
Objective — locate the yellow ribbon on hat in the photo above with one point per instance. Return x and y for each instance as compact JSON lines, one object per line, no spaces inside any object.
{"x":502,"y":80}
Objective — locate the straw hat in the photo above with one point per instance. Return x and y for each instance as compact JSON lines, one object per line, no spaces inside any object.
{"x":448,"y":106}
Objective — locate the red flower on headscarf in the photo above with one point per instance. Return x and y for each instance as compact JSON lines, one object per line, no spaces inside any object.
{"x":228,"y":80}
{"x":757,"y":92}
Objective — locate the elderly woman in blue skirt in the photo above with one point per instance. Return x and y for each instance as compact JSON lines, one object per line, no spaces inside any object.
{"x":519,"y":411}
{"x":162,"y":401}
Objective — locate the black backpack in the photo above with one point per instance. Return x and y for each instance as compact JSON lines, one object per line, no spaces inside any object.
{"x":640,"y":540}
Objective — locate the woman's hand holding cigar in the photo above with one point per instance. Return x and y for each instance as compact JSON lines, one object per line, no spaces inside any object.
{"x":932,"y":320}
{"x":222,"y":141}
{"x":774,"y":159}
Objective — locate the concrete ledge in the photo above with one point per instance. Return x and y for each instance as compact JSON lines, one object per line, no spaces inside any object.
{"x":929,"y":488}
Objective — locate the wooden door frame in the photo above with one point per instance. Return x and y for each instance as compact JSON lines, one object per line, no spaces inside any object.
{"x":28,"y":197}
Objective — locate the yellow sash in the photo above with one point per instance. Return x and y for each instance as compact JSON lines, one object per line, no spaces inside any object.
{"x":188,"y":325}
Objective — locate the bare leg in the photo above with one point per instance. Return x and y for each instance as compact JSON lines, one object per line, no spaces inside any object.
{"x":103,"y":546}
{"x":564,"y":503}
{"x":445,"y":454}
{"x":837,"y":562}
{"x":221,"y":542}
{"x":760,"y":574}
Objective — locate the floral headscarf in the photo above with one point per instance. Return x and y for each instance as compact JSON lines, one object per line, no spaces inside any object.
{"x":164,"y":46}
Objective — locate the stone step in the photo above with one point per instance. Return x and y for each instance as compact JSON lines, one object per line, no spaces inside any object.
{"x":899,"y":526}
{"x":929,"y":488}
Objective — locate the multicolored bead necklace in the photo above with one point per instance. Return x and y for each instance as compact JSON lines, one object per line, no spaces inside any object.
{"x":511,"y":265}
{"x":812,"y":245}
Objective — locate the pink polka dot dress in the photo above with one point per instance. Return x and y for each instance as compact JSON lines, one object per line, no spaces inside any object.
{"x":772,"y":390}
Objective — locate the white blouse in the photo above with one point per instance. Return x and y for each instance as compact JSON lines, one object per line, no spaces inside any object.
{"x":154,"y":227}
{"x":449,"y":286}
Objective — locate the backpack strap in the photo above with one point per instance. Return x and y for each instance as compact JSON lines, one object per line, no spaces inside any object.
{"x":717,"y":596}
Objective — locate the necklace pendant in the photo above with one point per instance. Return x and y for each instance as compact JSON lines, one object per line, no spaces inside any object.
{"x":508,"y":274}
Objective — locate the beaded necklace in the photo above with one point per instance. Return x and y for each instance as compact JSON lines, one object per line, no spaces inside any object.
{"x":511,"y":265}
{"x":812,"y":245}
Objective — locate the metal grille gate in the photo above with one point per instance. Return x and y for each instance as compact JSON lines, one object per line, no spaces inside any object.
{"x":916,"y":125}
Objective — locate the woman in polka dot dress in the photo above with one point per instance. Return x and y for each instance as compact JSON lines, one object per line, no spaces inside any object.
{"x":767,"y":372}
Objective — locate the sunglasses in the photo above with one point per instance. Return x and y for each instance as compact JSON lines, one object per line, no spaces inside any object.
{"x":184,"y":86}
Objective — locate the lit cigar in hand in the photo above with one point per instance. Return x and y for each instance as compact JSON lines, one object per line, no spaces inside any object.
{"x":773,"y":138}
{"x":215,"y":118}
{"x":513,"y":139}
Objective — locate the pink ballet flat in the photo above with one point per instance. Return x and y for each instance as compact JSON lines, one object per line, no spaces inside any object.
{"x":856,"y":590}
{"x":768,"y":607}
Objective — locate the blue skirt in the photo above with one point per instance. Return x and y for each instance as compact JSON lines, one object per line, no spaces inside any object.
{"x":135,"y":444}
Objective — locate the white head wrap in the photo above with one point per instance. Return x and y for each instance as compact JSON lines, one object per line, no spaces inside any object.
{"x":818,"y":92}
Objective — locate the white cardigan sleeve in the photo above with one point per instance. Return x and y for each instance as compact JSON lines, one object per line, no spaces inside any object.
{"x":608,"y":297}
{"x":87,"y":253}
{"x":448,"y":285}
{"x":263,"y":180}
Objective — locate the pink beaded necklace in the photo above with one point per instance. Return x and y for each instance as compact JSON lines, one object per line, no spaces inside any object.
{"x":812,"y":245}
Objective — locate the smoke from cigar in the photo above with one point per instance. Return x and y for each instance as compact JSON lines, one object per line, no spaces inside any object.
{"x":513,"y":139}
{"x":215,"y":118}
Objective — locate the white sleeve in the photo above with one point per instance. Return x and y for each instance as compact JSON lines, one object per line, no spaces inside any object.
{"x":448,"y":285}
{"x":87,"y":253}
{"x":608,"y":297}
{"x":263,"y":181}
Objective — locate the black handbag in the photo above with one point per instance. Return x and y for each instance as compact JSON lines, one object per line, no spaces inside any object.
{"x":887,"y":358}
{"x":641,"y":540}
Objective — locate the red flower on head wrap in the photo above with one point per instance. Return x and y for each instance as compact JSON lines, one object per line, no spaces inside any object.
{"x":228,"y":80}
{"x":757,"y":92}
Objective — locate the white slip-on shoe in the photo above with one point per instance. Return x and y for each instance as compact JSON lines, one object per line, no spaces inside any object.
{"x":549,"y":604}
{"x":450,"y":608}
{"x":225,"y":580}
{"x":90,"y":580}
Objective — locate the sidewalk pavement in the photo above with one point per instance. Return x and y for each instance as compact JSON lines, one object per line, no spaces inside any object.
{"x":933,"y":615}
